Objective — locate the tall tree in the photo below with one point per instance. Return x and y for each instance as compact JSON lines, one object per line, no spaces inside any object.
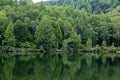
{"x":9,"y":38}
{"x":44,"y":35}
{"x":74,"y":40}
{"x":3,"y":25}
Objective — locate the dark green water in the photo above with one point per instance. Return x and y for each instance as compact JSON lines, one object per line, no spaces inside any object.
{"x":59,"y":67}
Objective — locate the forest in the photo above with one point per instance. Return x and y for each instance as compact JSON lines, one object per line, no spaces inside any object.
{"x":60,"y":25}
{"x":91,"y":6}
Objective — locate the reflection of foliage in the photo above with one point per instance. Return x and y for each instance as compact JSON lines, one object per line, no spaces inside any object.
{"x":8,"y":68}
{"x":53,"y":67}
{"x":23,"y":68}
{"x":48,"y":68}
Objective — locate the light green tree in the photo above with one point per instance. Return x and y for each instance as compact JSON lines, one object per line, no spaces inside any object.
{"x":74,"y":40}
{"x":58,"y":34}
{"x":9,"y":35}
{"x":44,"y":35}
{"x":3,"y":25}
{"x":89,"y":43}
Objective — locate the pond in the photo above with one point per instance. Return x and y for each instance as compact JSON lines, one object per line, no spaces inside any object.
{"x":37,"y":66}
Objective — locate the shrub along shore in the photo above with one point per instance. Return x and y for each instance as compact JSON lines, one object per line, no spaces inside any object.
{"x":97,"y":49}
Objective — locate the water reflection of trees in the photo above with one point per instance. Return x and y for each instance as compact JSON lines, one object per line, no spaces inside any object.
{"x":59,"y":67}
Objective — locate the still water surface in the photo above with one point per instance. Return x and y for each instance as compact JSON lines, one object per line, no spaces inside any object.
{"x":59,"y":67}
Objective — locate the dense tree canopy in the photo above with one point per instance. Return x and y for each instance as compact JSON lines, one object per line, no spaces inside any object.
{"x":53,"y":27}
{"x":91,"y":6}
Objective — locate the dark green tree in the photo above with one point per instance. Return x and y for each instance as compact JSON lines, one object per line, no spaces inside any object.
{"x":21,"y":32}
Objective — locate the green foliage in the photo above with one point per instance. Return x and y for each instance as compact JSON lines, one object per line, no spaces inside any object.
{"x":89,"y":43}
{"x":21,"y":31}
{"x":74,"y":41}
{"x":8,"y":69}
{"x":3,"y":25}
{"x":9,"y":35}
{"x":58,"y":33}
{"x":104,"y":44}
{"x":112,"y":48}
{"x":97,"y":48}
{"x":91,"y":6}
{"x":104,"y":47}
{"x":65,"y":45}
{"x":44,"y":35}
{"x":23,"y":23}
